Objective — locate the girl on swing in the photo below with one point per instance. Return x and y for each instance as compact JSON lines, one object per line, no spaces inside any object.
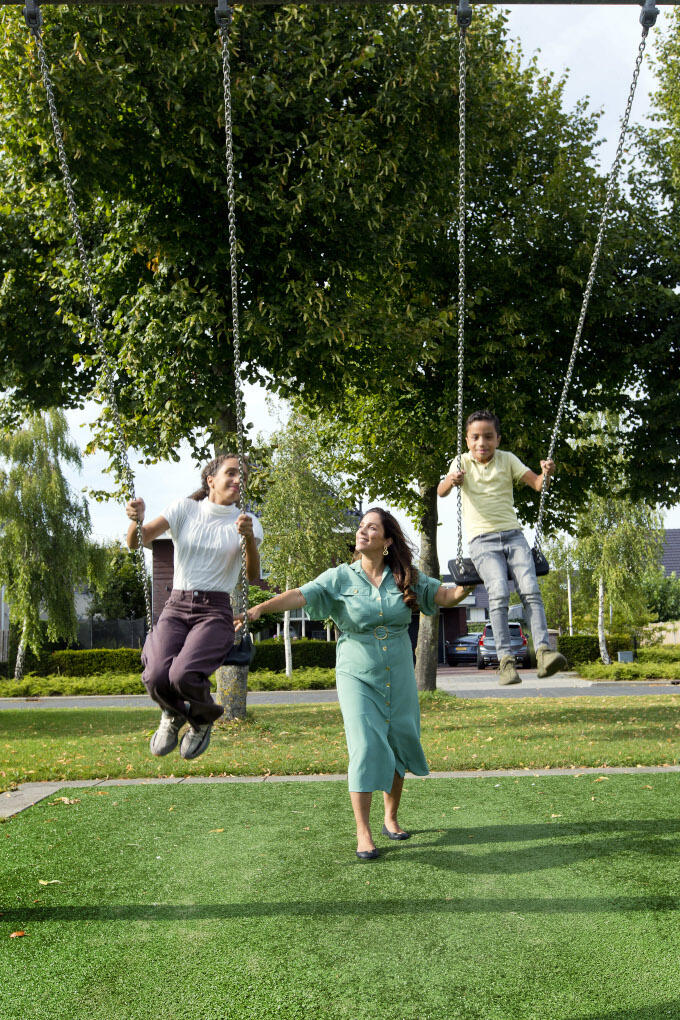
{"x":196,"y":628}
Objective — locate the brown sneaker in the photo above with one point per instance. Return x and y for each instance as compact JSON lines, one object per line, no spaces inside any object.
{"x":549,"y":662}
{"x":508,"y":674}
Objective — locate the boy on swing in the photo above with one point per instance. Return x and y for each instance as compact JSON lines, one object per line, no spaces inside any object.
{"x":495,"y":538}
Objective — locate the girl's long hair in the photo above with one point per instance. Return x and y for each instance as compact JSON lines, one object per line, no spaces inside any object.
{"x":399,"y":556}
{"x":211,"y":469}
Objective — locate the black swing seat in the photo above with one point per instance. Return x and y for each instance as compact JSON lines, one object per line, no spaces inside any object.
{"x":241,"y":652}
{"x":463,"y":570}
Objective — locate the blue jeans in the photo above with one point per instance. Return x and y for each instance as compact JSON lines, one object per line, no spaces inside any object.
{"x":492,"y":555}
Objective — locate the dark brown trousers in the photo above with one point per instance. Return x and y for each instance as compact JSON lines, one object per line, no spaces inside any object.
{"x":193,"y":635}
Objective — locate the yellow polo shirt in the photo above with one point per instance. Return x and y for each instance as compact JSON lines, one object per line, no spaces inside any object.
{"x":487,"y":492}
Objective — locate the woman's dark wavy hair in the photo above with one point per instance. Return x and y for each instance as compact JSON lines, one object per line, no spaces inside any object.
{"x":211,"y":469}
{"x":399,"y":555}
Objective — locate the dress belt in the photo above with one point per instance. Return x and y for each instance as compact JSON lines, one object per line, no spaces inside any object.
{"x":377,"y":634}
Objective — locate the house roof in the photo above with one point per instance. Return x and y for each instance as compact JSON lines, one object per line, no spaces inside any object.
{"x":671,"y":552}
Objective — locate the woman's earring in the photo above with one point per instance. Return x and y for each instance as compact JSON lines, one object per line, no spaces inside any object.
{"x":386,"y":550}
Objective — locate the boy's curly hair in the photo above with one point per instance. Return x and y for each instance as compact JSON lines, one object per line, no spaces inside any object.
{"x":484,"y":416}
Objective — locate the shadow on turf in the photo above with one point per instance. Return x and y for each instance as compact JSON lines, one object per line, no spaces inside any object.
{"x":548,"y":844}
{"x":659,"y":1011}
{"x":341,"y":908}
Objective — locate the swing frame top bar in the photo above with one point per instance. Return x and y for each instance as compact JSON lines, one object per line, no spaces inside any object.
{"x":334,"y":3}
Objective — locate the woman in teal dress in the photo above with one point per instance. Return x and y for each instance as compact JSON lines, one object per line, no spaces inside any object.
{"x":371,"y":601}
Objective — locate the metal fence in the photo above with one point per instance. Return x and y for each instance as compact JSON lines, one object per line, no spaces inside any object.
{"x":112,"y":633}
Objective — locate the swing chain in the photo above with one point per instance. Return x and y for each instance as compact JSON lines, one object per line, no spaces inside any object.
{"x":34,"y":22}
{"x":463,"y":23}
{"x":223,"y":16}
{"x":591,"y":275}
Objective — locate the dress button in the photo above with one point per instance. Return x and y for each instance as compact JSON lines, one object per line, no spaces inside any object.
{"x":384,"y":648}
{"x":380,"y":613}
{"x":387,"y":668}
{"x":387,"y":685}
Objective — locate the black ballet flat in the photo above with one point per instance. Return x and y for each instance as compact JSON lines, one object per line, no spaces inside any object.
{"x":395,"y":835}
{"x":367,"y":855}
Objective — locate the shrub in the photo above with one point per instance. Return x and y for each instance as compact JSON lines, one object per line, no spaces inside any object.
{"x":315,"y":679}
{"x":631,"y":671}
{"x":72,"y":686}
{"x":579,"y":648}
{"x":307,"y":654}
{"x":660,"y":653}
{"x":91,"y":661}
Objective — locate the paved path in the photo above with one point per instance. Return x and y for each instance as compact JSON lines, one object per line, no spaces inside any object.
{"x":460,"y":683}
{"x":14,"y":801}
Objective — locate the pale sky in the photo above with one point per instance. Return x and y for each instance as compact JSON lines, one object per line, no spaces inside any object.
{"x":597,"y":45}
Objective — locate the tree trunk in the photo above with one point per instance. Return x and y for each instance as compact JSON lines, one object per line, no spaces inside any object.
{"x":232,"y":690}
{"x":604,"y":654}
{"x":21,"y":657}
{"x":286,"y":643}
{"x":428,"y":631}
{"x":225,"y":429}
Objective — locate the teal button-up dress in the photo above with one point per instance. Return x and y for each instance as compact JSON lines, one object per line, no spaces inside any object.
{"x":374,"y":670}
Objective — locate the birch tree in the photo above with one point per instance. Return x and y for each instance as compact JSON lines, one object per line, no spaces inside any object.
{"x":43,"y":538}
{"x":308,"y":520}
{"x":619,"y":541}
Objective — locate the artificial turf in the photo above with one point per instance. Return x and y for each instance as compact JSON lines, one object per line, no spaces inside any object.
{"x":535,"y":898}
{"x":457,"y":733}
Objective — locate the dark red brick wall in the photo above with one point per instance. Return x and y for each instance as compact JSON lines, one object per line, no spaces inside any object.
{"x":162,"y":565}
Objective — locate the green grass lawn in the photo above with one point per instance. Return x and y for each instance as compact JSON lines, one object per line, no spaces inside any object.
{"x":516,"y":899}
{"x":457,"y":734}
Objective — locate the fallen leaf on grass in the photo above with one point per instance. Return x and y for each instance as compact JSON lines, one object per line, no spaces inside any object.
{"x":556,"y":816}
{"x":601,"y":779}
{"x":49,"y":881}
{"x":215,"y":830}
{"x":16,"y":934}
{"x":65,"y":800}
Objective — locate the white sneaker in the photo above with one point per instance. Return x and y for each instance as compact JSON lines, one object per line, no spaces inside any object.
{"x":166,"y":736}
{"x":195,"y":741}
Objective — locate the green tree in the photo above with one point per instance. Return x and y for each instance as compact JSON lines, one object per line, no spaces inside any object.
{"x":662,"y":595}
{"x":43,"y":540}
{"x":619,"y":542}
{"x":307,"y":518}
{"x":118,"y":593}
{"x":347,"y":263}
{"x":667,"y":101}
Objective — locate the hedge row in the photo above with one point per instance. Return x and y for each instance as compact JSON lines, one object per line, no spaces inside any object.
{"x":578,"y":648}
{"x":659,"y":653}
{"x":307,"y":654}
{"x":631,"y":671}
{"x":118,"y":683}
{"x":91,"y":661}
{"x":269,"y":655}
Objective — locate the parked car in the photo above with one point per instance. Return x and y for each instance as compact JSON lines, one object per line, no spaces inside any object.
{"x":463,"y":649}
{"x":486,"y":649}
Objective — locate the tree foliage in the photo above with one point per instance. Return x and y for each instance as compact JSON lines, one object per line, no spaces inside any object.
{"x":667,"y":100}
{"x":43,"y":539}
{"x":307,"y":518}
{"x":619,"y":542}
{"x":662,"y":595}
{"x":346,"y":148}
{"x":118,"y":593}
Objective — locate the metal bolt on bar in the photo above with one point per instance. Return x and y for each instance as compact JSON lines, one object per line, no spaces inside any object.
{"x":648,"y":14}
